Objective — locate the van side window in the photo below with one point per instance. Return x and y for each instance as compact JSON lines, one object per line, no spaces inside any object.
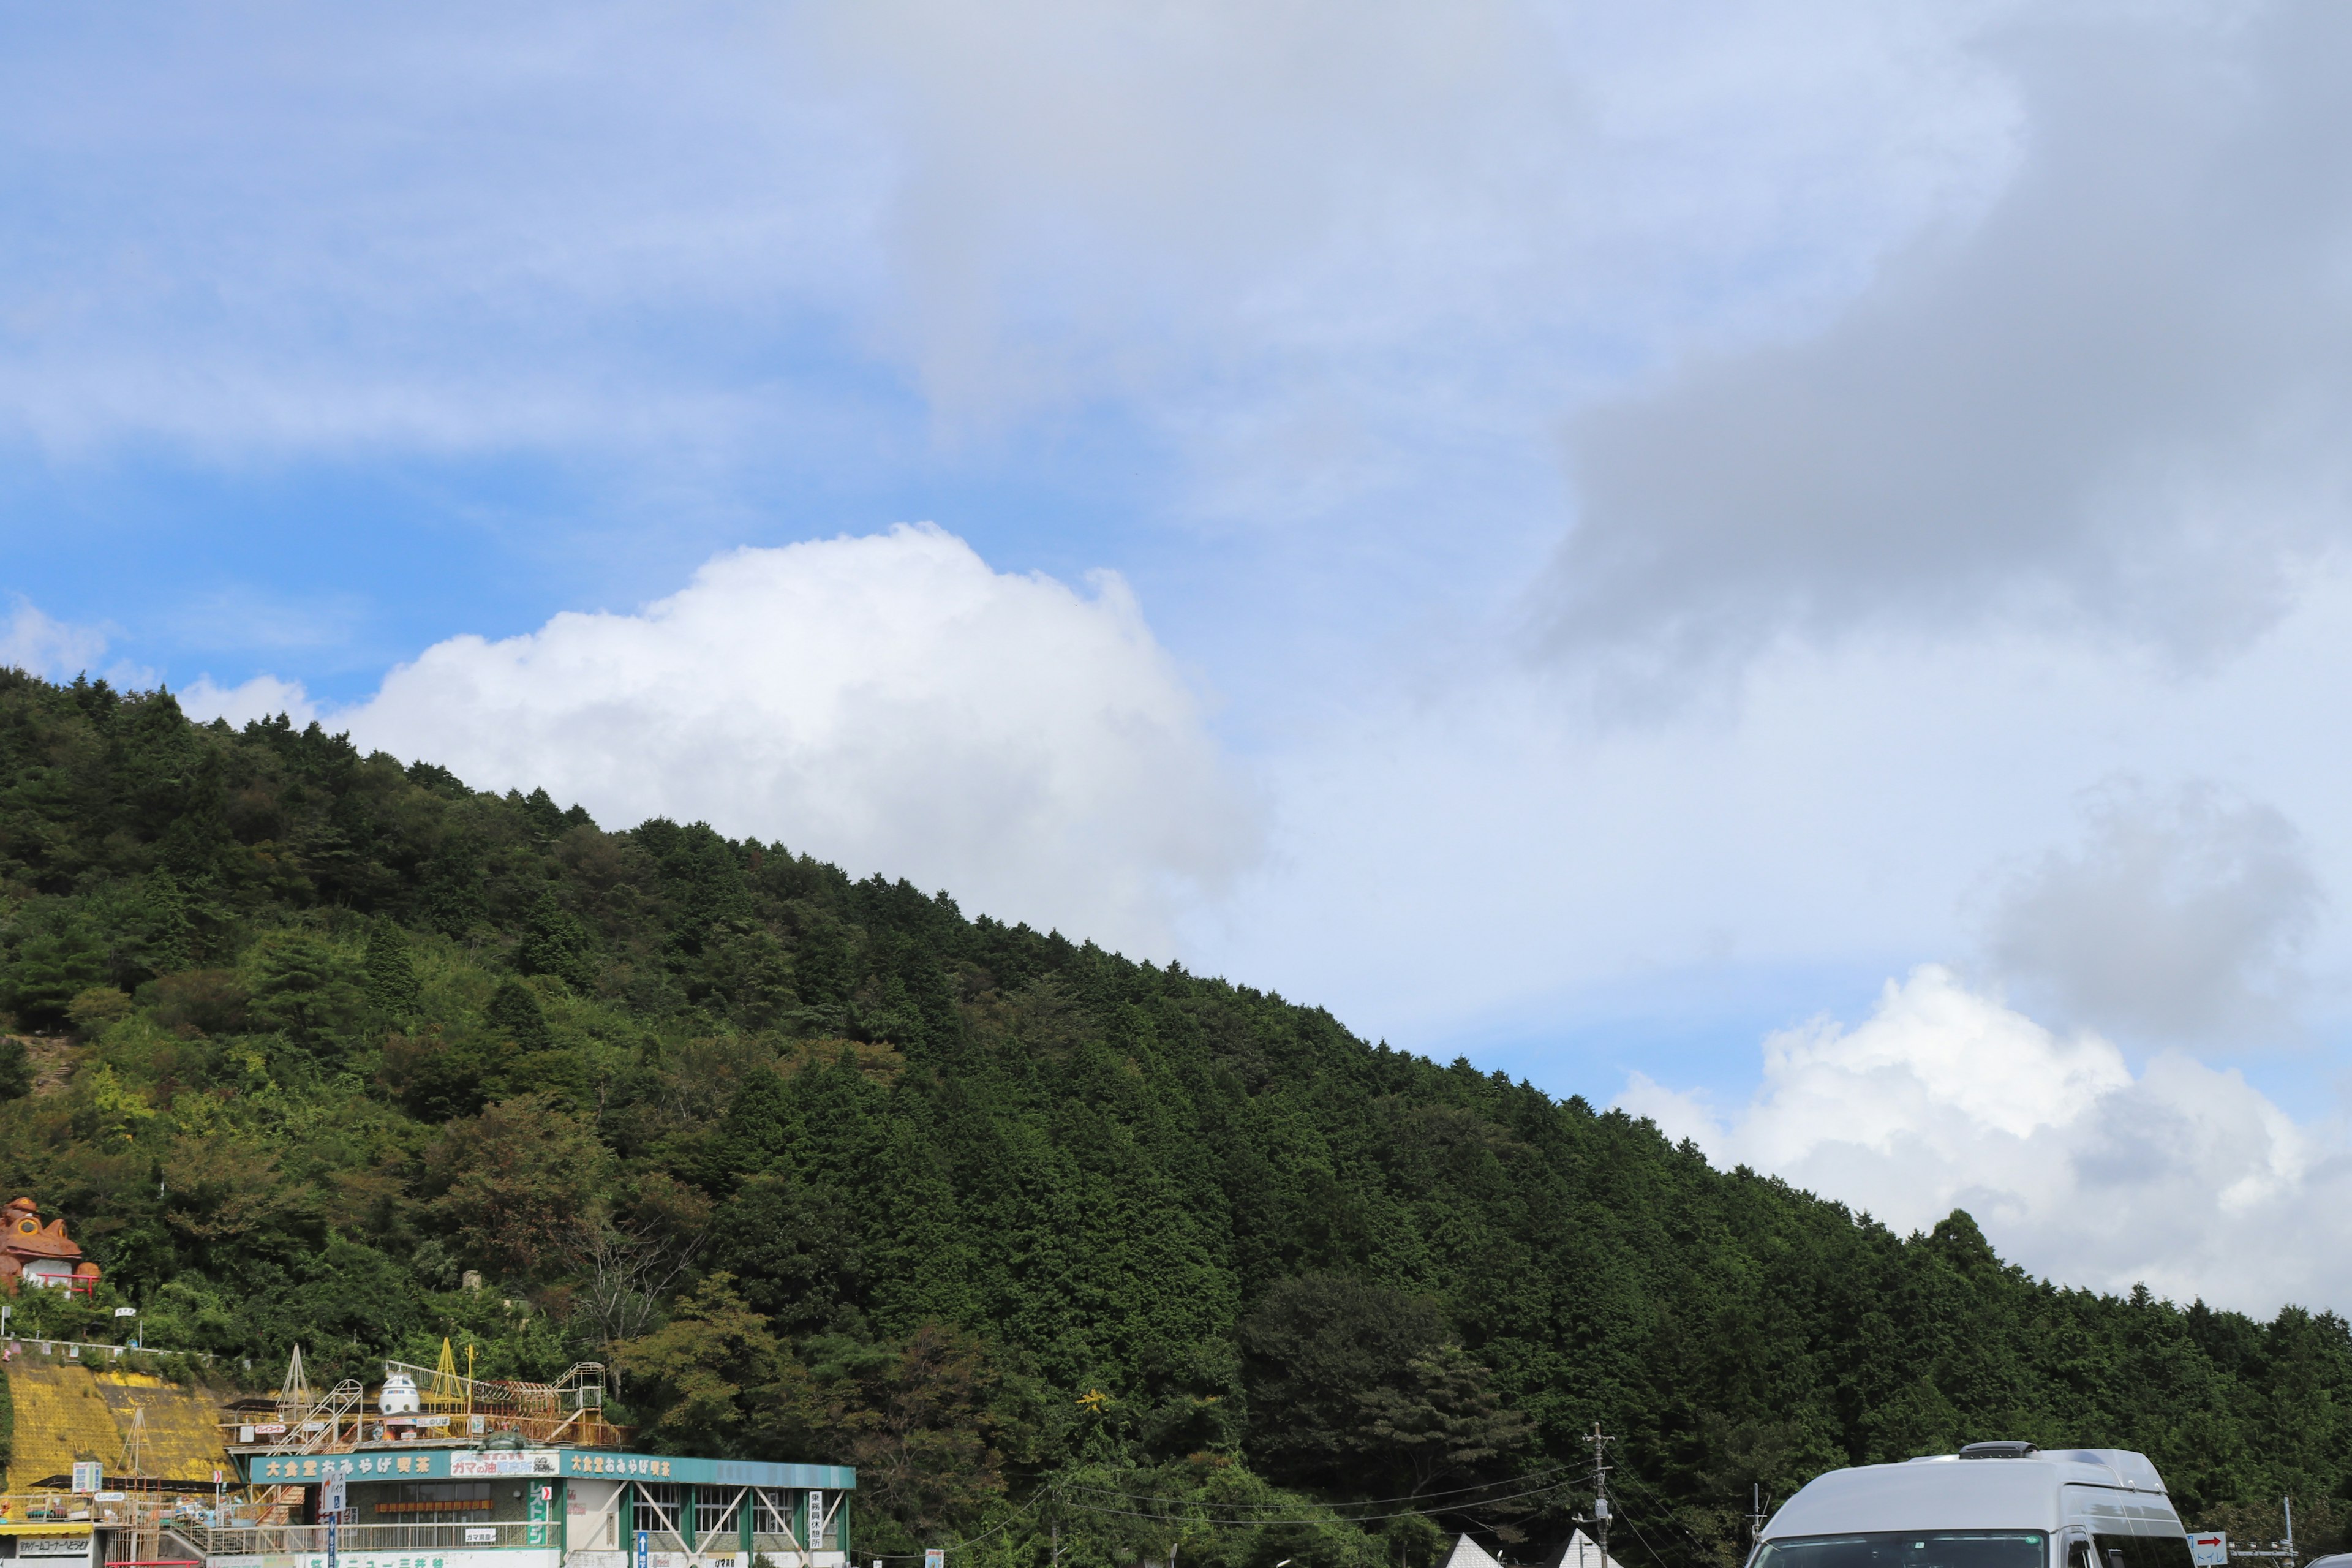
{"x":2078,"y":1555}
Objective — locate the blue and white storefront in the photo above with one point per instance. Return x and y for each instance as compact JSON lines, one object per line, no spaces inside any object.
{"x":412,"y":1507}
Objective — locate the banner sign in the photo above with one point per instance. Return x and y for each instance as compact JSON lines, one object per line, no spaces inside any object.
{"x":506,"y":1462}
{"x":394,"y":1462}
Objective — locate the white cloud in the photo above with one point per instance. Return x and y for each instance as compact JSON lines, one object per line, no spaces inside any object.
{"x":1355,"y":260}
{"x":889,"y":703}
{"x":262,"y":697}
{"x":1356,"y":240}
{"x":32,"y":641}
{"x":2181,"y":1177}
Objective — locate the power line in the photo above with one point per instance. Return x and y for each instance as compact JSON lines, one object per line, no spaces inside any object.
{"x":970,"y":1540}
{"x":1360,"y":1502}
{"x":1173,"y":1505}
{"x":1080,"y":1496}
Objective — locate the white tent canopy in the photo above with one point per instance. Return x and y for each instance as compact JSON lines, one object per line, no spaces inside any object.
{"x":1468,"y":1553}
{"x":1581,"y":1551}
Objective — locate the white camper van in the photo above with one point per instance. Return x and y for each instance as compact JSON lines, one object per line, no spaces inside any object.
{"x":1991,"y":1505}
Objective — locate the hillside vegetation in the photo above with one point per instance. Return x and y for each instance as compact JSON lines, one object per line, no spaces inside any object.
{"x":831,"y":1170}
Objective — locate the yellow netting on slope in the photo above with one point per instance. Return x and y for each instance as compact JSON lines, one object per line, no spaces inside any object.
{"x":60,"y":1418}
{"x":182,"y":1439}
{"x":67,"y":1411}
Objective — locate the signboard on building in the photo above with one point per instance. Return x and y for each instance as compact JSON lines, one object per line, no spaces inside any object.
{"x":452,"y":1557}
{"x":89,"y":1476}
{"x":2209,"y":1550}
{"x":444,"y":1464}
{"x":53,"y":1546}
{"x":506,"y":1462}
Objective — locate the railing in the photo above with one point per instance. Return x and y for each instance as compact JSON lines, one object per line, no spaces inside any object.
{"x":583,"y":1429}
{"x":579,"y":1389}
{"x":323,"y":1424}
{"x":85,"y":1349}
{"x":571,"y":1410}
{"x":288,"y":1539}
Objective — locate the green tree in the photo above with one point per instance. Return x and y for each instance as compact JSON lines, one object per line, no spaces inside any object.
{"x":392,"y":989}
{"x":711,"y":1371}
{"x":795,"y":1251}
{"x":514,"y":1015}
{"x":1441,"y":1421}
{"x":16,"y":1069}
{"x":168,"y":945}
{"x":49,"y":970}
{"x":1314,"y":1347}
{"x":556,"y":941}
{"x":302,"y":987}
{"x":519,"y":1180}
{"x":922,"y":1420}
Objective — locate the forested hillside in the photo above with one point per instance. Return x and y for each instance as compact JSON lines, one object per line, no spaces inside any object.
{"x":833,"y":1170}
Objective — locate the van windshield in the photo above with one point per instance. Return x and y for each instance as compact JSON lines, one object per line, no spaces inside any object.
{"x":1908,"y":1549}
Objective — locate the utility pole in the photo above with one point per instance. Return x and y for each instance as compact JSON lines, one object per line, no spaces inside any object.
{"x":1755,"y":1514}
{"x":1600,"y":1490}
{"x":2288,"y":1503}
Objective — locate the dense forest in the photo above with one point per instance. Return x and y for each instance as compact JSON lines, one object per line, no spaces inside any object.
{"x":313,"y":1047}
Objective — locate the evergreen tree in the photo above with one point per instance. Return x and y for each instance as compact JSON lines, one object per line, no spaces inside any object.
{"x":392,"y":989}
{"x":16,"y":1069}
{"x":302,"y":987}
{"x":169,"y":942}
{"x":556,"y":941}
{"x":514,"y":1014}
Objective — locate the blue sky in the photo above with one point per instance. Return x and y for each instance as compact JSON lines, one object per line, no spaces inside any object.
{"x":1593,"y":536}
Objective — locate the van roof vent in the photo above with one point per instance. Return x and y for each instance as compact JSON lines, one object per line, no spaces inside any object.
{"x":2011,"y":1450}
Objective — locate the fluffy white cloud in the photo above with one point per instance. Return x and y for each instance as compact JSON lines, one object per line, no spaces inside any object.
{"x":263,"y":697}
{"x":30,"y":640}
{"x":2181,"y":1177}
{"x":887,"y":702}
